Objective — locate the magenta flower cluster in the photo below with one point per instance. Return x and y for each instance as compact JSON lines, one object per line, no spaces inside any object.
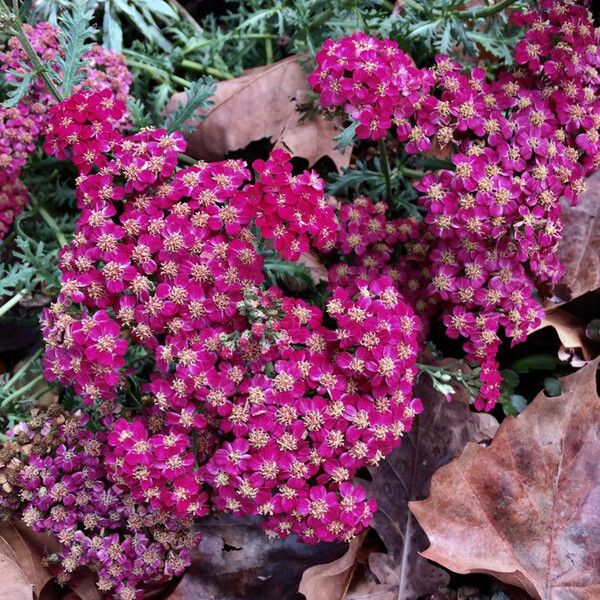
{"x":256,"y":403}
{"x":374,"y":83}
{"x":66,"y":492}
{"x":518,"y":144}
{"x":22,"y":125}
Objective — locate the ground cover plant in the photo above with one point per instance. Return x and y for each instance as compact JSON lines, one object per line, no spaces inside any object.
{"x":284,"y":282}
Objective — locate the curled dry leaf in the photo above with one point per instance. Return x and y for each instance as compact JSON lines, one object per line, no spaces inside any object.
{"x":571,"y":333}
{"x":263,"y":103}
{"x":439,"y":434}
{"x":579,"y":251}
{"x":236,"y":561}
{"x":330,"y":581}
{"x":22,"y":573}
{"x":526,"y":509}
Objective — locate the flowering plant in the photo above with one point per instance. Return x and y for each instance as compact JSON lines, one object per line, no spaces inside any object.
{"x":193,"y":382}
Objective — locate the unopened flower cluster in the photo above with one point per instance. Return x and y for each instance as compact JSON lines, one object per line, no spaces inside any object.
{"x":518,"y":144}
{"x":22,"y":125}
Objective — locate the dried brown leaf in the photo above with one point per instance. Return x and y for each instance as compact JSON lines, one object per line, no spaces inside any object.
{"x":439,"y":434}
{"x":263,"y":103}
{"x":330,"y":581}
{"x":14,"y":584}
{"x":313,"y":263}
{"x":526,"y":509}
{"x":579,"y":251}
{"x":16,"y":547}
{"x":24,"y":549}
{"x":236,"y":561}
{"x":570,"y":330}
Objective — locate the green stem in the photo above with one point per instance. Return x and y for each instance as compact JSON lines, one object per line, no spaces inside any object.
{"x":22,"y":370}
{"x":268,"y":51}
{"x":60,"y":236}
{"x":239,"y":36}
{"x":488,"y":11}
{"x":185,"y":15}
{"x":385,"y":167}
{"x":414,"y":5}
{"x":188,"y":160}
{"x":158,"y":74}
{"x":411,"y":172}
{"x":21,"y":391}
{"x":12,"y":302}
{"x":388,"y":5}
{"x":196,"y":66}
{"x":36,"y":63}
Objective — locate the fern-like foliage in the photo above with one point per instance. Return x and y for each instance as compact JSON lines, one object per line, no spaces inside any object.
{"x":76,"y":35}
{"x":43,"y":260}
{"x":15,"y":278}
{"x":137,"y":112}
{"x":18,"y":88}
{"x":198,"y":97}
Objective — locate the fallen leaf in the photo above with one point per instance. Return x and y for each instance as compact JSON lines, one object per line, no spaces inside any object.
{"x":570,"y":330}
{"x":579,"y":252}
{"x":439,"y":434}
{"x":331,"y":581}
{"x":236,"y":561}
{"x":263,"y":103}
{"x":16,"y":548}
{"x":14,"y":585}
{"x":313,"y":263}
{"x":526,"y":509}
{"x":24,"y":549}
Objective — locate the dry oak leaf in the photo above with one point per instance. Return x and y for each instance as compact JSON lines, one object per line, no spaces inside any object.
{"x":22,"y":575}
{"x":439,"y":434}
{"x":579,"y":251}
{"x":263,"y":103}
{"x":236,"y":561}
{"x":527,"y":508}
{"x":330,"y":581}
{"x":571,"y":332}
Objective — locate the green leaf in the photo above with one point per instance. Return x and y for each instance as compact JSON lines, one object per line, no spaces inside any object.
{"x":535,"y":362}
{"x":149,"y":30}
{"x":346,"y":137}
{"x":515,"y":405}
{"x":76,"y":33}
{"x":444,"y":44}
{"x":198,"y":97}
{"x":15,"y":277}
{"x":552,"y":386}
{"x":139,"y":118}
{"x":112,"y":32}
{"x":19,"y":88}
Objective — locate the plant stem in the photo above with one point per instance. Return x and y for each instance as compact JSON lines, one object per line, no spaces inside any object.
{"x":60,"y":236}
{"x":185,"y":15}
{"x":387,"y":4}
{"x":413,"y":4}
{"x":238,"y":36}
{"x":488,"y":11}
{"x":38,"y":67}
{"x":196,"y":66}
{"x":268,"y":51}
{"x":157,"y":73}
{"x":411,"y":172}
{"x":21,"y":391}
{"x":22,"y":369}
{"x":12,"y":302}
{"x":188,"y":160}
{"x":385,"y":167}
